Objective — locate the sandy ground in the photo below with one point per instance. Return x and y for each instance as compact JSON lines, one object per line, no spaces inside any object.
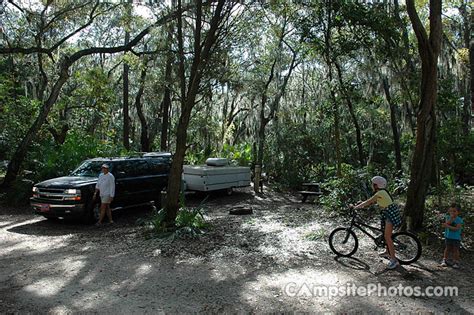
{"x":252,"y":263}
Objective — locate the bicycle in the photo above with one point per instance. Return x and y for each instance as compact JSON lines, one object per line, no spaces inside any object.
{"x":343,"y":241}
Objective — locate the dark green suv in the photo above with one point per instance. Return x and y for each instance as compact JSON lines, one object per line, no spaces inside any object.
{"x":138,"y":180}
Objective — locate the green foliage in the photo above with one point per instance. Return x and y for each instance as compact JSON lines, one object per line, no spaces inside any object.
{"x":48,"y":160}
{"x":189,"y":223}
{"x":196,"y":157}
{"x":342,"y":191}
{"x":16,"y":113}
{"x":203,"y":136}
{"x":454,"y":145}
{"x":442,"y":197}
{"x":155,"y":223}
{"x":448,"y":192}
{"x":86,"y":102}
{"x":399,"y":185}
{"x":296,"y":153}
{"x":241,"y":153}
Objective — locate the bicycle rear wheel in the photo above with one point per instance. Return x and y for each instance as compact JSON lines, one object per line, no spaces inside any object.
{"x":407,"y":247}
{"x":343,"y":242}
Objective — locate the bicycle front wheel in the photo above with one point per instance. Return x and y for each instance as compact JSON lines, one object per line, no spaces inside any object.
{"x":343,"y":242}
{"x":407,"y":247}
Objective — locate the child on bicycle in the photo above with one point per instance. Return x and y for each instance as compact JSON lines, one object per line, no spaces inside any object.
{"x":390,"y":215}
{"x":452,"y":233}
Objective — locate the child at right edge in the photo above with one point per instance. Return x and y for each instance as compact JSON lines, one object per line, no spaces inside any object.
{"x":452,"y":234}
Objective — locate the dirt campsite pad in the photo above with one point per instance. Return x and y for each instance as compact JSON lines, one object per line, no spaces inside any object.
{"x":271,"y":260}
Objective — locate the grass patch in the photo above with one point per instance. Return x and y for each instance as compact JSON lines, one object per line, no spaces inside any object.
{"x":250,"y":221}
{"x":317,"y":235}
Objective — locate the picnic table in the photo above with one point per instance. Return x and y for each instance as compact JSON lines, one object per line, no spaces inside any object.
{"x":310,"y":189}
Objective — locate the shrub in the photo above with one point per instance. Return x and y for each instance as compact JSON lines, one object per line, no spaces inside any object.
{"x":189,"y":222}
{"x":341,"y":191}
{"x":19,"y":193}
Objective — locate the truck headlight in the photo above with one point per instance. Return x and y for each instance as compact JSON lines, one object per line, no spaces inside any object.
{"x":35,"y":189}
{"x":72,"y":194}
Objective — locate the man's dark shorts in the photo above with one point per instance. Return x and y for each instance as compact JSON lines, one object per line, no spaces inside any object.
{"x":453,"y":242}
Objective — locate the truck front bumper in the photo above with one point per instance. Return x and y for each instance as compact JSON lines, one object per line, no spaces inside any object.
{"x":57,"y":210}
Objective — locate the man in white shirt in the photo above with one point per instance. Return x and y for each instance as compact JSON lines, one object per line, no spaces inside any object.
{"x":106,"y":187}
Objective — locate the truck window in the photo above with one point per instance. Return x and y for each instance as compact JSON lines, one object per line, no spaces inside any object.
{"x":140,"y":168}
{"x":131,"y":168}
{"x":88,"y":169}
{"x":158,"y":166}
{"x":122,"y":169}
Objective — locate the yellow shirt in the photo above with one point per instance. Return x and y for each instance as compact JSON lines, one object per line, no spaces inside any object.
{"x":383,"y":198}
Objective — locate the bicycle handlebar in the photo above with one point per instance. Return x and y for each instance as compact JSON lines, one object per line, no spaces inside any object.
{"x":353,"y":211}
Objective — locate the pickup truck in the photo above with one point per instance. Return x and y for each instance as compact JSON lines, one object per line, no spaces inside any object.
{"x":138,"y":181}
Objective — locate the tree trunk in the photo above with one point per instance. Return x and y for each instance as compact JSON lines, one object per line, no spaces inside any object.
{"x":468,"y":89}
{"x":408,"y":84}
{"x":126,"y":115}
{"x":410,"y":117}
{"x":260,"y":148}
{"x":337,"y":134}
{"x":471,"y":62}
{"x":225,"y":121}
{"x":273,"y":111}
{"x":422,"y":163}
{"x":393,"y":122}
{"x":355,"y":121}
{"x":166,"y":104}
{"x":202,"y":54}
{"x":125,"y":105}
{"x":144,"y":137}
{"x":328,"y":58}
{"x":303,"y":95}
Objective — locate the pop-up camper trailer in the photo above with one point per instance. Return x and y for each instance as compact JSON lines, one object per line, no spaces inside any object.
{"x":215,"y":175}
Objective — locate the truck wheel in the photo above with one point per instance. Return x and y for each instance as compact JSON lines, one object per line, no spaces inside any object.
{"x":92,"y":213}
{"x":229,"y":191}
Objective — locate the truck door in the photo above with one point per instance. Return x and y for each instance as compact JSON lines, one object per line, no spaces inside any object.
{"x":160,"y":169}
{"x":122,"y":186}
{"x":134,"y":181}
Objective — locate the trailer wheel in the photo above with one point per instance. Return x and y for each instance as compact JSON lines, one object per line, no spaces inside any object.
{"x":229,"y":191}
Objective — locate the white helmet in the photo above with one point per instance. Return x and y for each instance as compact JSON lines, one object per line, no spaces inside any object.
{"x":379,"y":181}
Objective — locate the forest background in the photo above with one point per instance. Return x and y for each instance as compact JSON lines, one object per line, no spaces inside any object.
{"x":331,"y":91}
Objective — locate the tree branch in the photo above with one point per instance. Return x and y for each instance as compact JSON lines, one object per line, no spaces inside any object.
{"x":93,"y":50}
{"x":91,"y":19}
{"x":25,"y":51}
{"x":149,"y":52}
{"x":112,"y":50}
{"x":18,"y":7}
{"x":65,"y":11}
{"x":418,"y":28}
